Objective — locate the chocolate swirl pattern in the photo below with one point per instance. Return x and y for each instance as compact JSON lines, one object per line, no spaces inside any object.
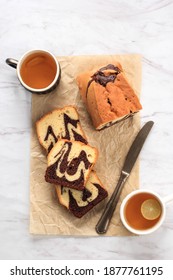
{"x":104,"y":75}
{"x":59,"y":124}
{"x":69,"y":164}
{"x":71,"y":130}
{"x":80,"y":202}
{"x":50,"y":132}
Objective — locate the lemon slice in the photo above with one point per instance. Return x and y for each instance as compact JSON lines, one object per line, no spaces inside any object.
{"x":151,"y":209}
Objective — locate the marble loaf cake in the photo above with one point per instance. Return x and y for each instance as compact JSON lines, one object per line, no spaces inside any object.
{"x":108,"y":96}
{"x":64,"y":123}
{"x":61,"y":123}
{"x":70,"y":163}
{"x":80,"y":202}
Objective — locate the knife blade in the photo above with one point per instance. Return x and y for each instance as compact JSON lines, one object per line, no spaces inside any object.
{"x":130,"y":160}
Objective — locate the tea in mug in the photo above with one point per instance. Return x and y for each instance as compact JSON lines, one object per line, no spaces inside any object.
{"x":136,"y":213}
{"x":38,"y":70}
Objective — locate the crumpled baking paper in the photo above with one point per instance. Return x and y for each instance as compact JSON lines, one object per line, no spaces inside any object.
{"x":47,"y":216}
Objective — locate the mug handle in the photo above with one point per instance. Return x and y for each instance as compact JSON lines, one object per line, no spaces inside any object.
{"x":12,"y":62}
{"x":168,"y":198}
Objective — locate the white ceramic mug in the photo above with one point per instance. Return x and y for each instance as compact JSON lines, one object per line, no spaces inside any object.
{"x":162,"y":202}
{"x":18,"y":64}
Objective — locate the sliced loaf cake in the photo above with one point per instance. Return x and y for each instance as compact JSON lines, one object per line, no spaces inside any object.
{"x":80,"y":202}
{"x":62,"y":123}
{"x":70,"y":163}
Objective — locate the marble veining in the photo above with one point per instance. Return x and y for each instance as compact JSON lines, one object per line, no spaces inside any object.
{"x":73,"y":28}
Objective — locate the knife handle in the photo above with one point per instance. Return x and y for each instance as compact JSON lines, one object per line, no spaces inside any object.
{"x":105,"y":219}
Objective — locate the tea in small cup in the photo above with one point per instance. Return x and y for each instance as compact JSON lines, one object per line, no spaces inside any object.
{"x":37,"y":70}
{"x":143,"y":211}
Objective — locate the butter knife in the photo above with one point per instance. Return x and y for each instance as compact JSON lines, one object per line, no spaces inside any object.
{"x":130,"y":160}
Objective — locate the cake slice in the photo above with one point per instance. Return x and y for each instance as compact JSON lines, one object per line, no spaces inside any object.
{"x":62,"y":123}
{"x":108,"y":96}
{"x":70,"y":163}
{"x":80,"y":202}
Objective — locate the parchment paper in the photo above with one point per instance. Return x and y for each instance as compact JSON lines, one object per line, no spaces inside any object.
{"x":47,"y":216}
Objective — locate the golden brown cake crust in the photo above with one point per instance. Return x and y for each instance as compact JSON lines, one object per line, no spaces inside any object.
{"x":108,"y":95}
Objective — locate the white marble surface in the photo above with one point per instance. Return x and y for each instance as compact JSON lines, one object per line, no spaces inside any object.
{"x":85,"y":27}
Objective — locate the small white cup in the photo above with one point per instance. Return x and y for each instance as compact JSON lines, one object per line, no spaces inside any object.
{"x":162,"y":202}
{"x":17,"y":64}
